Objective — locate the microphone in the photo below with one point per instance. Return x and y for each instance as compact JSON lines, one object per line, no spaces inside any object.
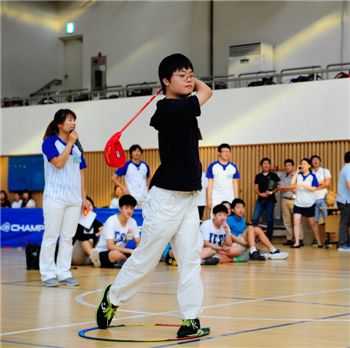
{"x":79,"y":146}
{"x":77,"y":142}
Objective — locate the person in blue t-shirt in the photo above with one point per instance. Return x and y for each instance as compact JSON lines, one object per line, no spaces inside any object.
{"x":343,"y":202}
{"x":244,"y":236}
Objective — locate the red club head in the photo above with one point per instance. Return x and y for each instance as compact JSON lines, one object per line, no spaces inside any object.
{"x":114,"y":153}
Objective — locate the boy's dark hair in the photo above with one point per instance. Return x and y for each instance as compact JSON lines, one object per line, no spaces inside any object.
{"x":127,"y":200}
{"x":265,"y":159}
{"x":237,"y":201}
{"x":315,"y":156}
{"x":289,"y":160}
{"x":220,"y":208}
{"x":308,"y":160}
{"x":347,"y":157}
{"x":135,"y":147}
{"x":170,"y":64}
{"x":224,"y":146}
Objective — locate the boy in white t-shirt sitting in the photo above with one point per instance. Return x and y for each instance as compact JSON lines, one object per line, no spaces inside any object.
{"x":217,"y":236}
{"x":112,"y":249}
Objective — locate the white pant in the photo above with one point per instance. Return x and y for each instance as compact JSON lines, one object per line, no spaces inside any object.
{"x":168,"y":216}
{"x":60,"y":221}
{"x":218,"y":198}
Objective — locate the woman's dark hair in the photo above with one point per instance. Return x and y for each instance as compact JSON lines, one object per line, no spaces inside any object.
{"x":91,"y":201}
{"x":170,"y":64}
{"x":5,"y":194}
{"x":59,"y":118}
{"x":306,"y":160}
{"x":24,"y":202}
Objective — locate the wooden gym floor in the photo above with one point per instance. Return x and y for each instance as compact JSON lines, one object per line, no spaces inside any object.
{"x":303,"y":301}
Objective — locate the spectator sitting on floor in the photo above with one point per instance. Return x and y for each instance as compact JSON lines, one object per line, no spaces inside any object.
{"x":217,"y":236}
{"x":5,"y":203}
{"x":115,"y":244}
{"x":27,"y":200}
{"x":118,"y":192}
{"x":17,"y":202}
{"x":244,"y":237}
{"x":86,"y":239}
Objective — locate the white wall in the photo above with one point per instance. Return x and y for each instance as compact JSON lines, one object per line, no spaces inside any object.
{"x":303,"y":33}
{"x":309,"y":111}
{"x":30,"y":49}
{"x":136,"y":35}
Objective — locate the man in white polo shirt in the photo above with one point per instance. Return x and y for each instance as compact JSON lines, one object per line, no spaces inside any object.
{"x":223,"y":178}
{"x":137,"y":176}
{"x":323,"y":176}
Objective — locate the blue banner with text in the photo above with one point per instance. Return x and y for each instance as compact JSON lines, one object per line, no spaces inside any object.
{"x":20,"y":226}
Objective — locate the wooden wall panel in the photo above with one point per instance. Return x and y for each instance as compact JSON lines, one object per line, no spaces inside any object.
{"x":247,"y":158}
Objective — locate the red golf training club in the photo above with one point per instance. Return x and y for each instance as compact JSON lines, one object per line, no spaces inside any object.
{"x":114,"y":153}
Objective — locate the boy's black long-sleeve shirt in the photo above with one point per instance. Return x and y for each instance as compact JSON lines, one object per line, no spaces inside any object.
{"x":178,"y":135}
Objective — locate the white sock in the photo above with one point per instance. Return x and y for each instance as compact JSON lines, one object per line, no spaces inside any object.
{"x":252,"y":249}
{"x":272,"y":249}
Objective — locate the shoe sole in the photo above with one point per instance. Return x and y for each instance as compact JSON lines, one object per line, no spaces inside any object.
{"x":280,"y":256}
{"x":204,"y":331}
{"x":51,"y":286}
{"x":106,"y":289}
{"x":67,"y":284}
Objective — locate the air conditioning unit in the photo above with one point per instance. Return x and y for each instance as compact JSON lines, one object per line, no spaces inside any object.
{"x":249,"y":58}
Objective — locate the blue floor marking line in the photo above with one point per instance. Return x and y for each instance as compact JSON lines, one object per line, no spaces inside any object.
{"x":313,"y":303}
{"x":251,"y":330}
{"x":30,"y":344}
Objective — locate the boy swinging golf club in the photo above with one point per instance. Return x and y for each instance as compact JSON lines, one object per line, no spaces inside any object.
{"x":170,"y":210}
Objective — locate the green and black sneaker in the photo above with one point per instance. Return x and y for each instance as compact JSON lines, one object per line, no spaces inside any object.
{"x":191,"y":328}
{"x":105,"y":310}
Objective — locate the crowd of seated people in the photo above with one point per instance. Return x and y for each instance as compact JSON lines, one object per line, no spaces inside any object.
{"x":22,"y":199}
{"x":227,"y":236}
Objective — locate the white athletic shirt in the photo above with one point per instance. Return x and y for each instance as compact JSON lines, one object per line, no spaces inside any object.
{"x":202,"y":199}
{"x":17,"y":204}
{"x":136,"y":178}
{"x":113,"y":229}
{"x":304,"y":197}
{"x":322,"y":174}
{"x":211,"y":233}
{"x":62,"y":185}
{"x":222,"y":175}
